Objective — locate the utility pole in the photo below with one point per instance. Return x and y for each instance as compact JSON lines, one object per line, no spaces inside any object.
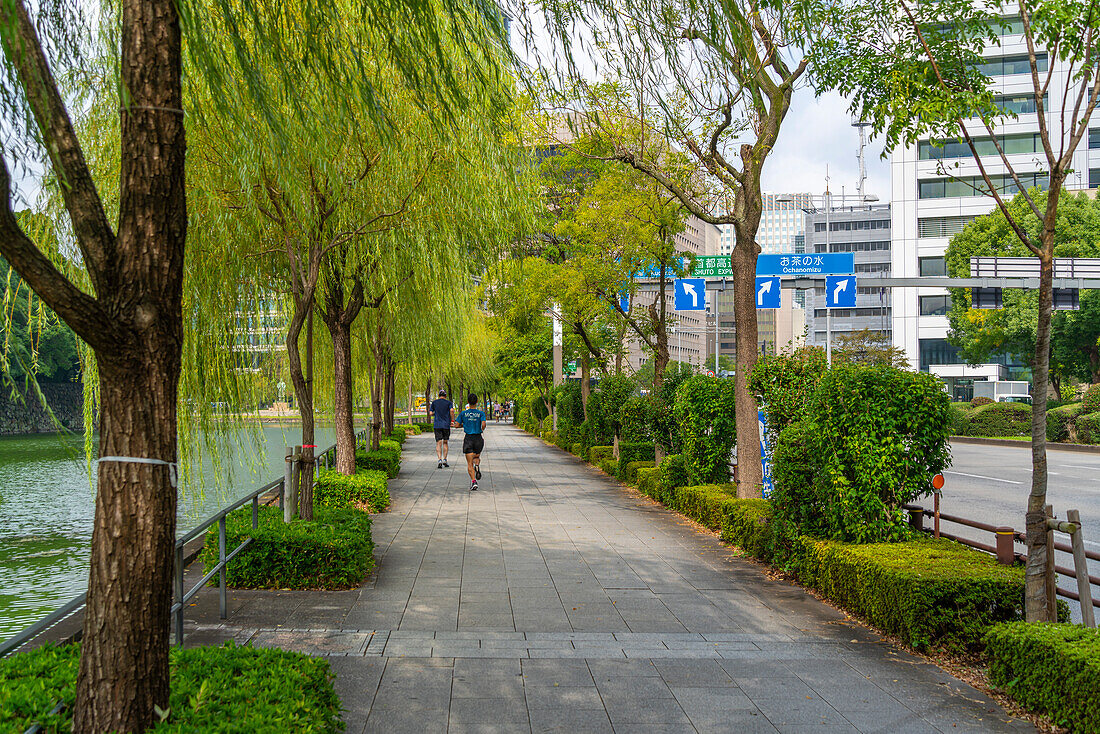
{"x":555,"y":317}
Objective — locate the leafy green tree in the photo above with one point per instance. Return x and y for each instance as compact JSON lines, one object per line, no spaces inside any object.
{"x":983,"y":333}
{"x":36,"y":343}
{"x":931,"y":79}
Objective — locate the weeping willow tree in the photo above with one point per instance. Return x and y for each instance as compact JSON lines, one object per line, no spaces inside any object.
{"x":116,"y":273}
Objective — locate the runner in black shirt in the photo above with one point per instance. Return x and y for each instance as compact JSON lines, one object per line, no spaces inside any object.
{"x":443,"y":415}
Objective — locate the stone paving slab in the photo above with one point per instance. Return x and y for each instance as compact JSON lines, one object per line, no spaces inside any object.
{"x":556,"y":600}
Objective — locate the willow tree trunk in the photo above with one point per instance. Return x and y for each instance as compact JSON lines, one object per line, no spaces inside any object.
{"x":428,"y":402}
{"x":1036,"y":604}
{"x":341,"y":388}
{"x":391,"y":396}
{"x":750,"y":474}
{"x":378,"y":386}
{"x":123,"y":673}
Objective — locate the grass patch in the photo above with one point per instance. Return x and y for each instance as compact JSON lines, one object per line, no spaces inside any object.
{"x":332,"y":551}
{"x":226,"y":690}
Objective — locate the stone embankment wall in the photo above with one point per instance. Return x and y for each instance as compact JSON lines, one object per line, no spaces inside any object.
{"x":66,"y":399}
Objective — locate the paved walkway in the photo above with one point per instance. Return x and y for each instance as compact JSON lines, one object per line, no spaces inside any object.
{"x":555,"y":600}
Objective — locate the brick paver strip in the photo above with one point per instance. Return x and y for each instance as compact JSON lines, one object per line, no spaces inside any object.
{"x":555,"y":600}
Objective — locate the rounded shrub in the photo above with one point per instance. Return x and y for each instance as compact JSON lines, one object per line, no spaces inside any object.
{"x":704,"y":412}
{"x":999,"y":420}
{"x":673,"y":471}
{"x":785,"y":384}
{"x":1092,"y":399}
{"x":1059,"y":421}
{"x":636,"y":419}
{"x":1087,"y":428}
{"x":980,"y":401}
{"x":365,"y":490}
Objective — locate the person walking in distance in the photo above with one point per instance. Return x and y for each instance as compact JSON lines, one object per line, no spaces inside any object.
{"x":473,"y":422}
{"x":443,"y":415}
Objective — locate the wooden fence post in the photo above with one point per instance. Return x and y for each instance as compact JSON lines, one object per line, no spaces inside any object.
{"x":1080,"y":566}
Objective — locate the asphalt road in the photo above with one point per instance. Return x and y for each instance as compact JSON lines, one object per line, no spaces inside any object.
{"x":991,"y":484}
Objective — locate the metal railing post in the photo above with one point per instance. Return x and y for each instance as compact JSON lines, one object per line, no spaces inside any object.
{"x":222,"y":606}
{"x":287,"y":500}
{"x":1080,"y":565}
{"x":179,"y":593}
{"x":255,"y":512}
{"x":1006,"y":550}
{"x":916,"y":518}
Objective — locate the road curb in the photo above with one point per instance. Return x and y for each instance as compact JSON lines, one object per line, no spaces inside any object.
{"x":1077,"y":448}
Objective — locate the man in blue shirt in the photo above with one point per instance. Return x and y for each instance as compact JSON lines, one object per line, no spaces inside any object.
{"x":443,"y":415}
{"x":473,"y":422}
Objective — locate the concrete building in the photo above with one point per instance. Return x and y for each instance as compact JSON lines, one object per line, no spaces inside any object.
{"x":865,"y":232}
{"x":689,"y":341}
{"x":929,"y":206}
{"x":780,"y":224}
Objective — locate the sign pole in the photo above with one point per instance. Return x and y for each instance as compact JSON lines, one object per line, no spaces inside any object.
{"x":716,"y":333}
{"x":828,"y":311}
{"x":558,"y":341}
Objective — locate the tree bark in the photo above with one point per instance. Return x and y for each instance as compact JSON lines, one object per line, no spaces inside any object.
{"x":749,"y":472}
{"x":586,"y":386}
{"x":391,"y":395}
{"x":1035,"y":597}
{"x":377,"y":386}
{"x":428,"y":402}
{"x":338,"y":318}
{"x":305,"y":480}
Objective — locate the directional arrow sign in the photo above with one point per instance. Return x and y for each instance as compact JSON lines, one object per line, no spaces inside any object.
{"x":691,"y":294}
{"x":768,"y":294}
{"x":840,"y":291}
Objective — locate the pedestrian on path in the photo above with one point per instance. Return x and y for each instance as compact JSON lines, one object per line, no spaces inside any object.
{"x":443,"y":415}
{"x":473,"y":423}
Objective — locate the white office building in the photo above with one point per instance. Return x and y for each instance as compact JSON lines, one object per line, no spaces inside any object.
{"x":929,"y":206}
{"x":781,"y":222}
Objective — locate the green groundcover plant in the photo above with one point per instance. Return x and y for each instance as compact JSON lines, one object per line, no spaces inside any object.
{"x":332,"y":551}
{"x":1051,"y":668}
{"x":384,"y":459}
{"x":215,"y":690}
{"x":364,"y":489}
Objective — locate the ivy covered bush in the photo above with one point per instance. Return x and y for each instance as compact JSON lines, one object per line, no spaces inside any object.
{"x":1091,"y":402}
{"x":332,"y":551}
{"x":636,"y":451}
{"x":673,"y":471}
{"x":1051,"y":668}
{"x":786,"y":384}
{"x":365,"y":490}
{"x":704,"y":412}
{"x":214,"y":689}
{"x":636,"y":418}
{"x":874,"y":439}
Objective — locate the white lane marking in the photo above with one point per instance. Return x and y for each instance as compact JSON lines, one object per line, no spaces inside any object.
{"x":1079,"y":466}
{"x":979,"y":476}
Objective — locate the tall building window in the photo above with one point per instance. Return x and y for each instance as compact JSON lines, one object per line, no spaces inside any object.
{"x":941,"y":226}
{"x":1094,"y":138}
{"x":932,"y":266}
{"x":950,"y":188}
{"x":1094,"y":178}
{"x":1010,"y":65}
{"x":854,"y":246}
{"x":1021,"y":104}
{"x":934,"y":305}
{"x":936,"y":351}
{"x":935,"y":150}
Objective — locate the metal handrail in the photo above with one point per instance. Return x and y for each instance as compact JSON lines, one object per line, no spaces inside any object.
{"x":20,"y":639}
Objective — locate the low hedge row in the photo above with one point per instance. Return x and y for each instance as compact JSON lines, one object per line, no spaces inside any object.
{"x":398,"y":436}
{"x":609,"y":467}
{"x":1087,"y":428}
{"x":995,"y":419}
{"x":426,"y":427}
{"x":214,"y":689}
{"x":332,"y":551}
{"x":385,"y":459}
{"x":596,"y":454}
{"x":926,"y":591}
{"x":629,"y":474}
{"x":636,"y":451}
{"x":1052,"y":668}
{"x":365,"y":490}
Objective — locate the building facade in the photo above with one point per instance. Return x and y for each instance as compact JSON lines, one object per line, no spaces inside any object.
{"x":930,"y":206}
{"x":863,"y":231}
{"x":781,"y":222}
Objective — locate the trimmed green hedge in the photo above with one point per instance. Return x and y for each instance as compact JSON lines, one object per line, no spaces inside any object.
{"x":214,"y":689}
{"x":332,"y":551}
{"x":630,"y":470}
{"x":1087,"y":428}
{"x":706,"y":504}
{"x":1052,"y":668}
{"x":749,"y":527}
{"x":999,"y":419}
{"x":428,"y":427}
{"x":926,"y":591}
{"x":577,"y":449}
{"x":384,"y":459}
{"x":1060,"y":419}
{"x":646,"y":477}
{"x":596,"y":454}
{"x":398,"y":436}
{"x":609,"y":467}
{"x":673,"y":471}
{"x":333,"y":489}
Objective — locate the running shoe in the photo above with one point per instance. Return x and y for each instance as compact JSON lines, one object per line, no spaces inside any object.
{"x":446,"y":465}
{"x":440,"y":465}
{"x":477,"y":471}
{"x":473,"y":487}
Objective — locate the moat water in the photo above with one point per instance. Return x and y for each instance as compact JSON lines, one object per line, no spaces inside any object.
{"x":47,"y":506}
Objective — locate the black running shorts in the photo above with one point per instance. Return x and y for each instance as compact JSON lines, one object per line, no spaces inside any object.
{"x":443,"y":434}
{"x":473,"y":443}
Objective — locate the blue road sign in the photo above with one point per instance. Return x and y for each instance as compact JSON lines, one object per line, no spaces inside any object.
{"x":690,"y":294}
{"x":840,"y":291}
{"x":796,"y":264}
{"x":767,"y":292}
